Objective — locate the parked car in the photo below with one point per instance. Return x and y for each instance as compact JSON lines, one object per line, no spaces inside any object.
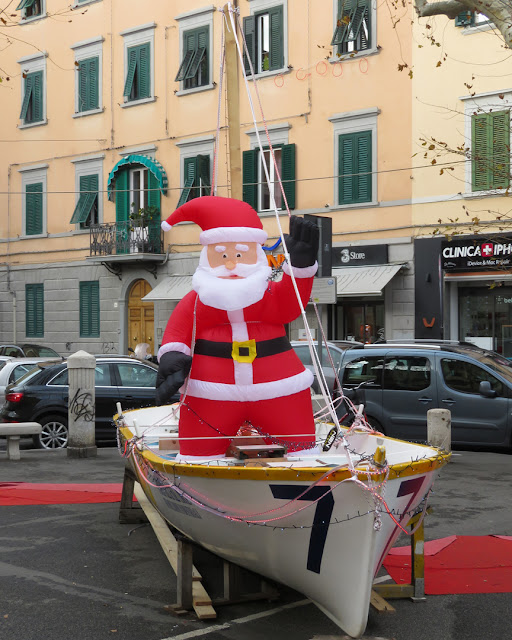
{"x":402,"y":381}
{"x":42,"y":395}
{"x":27,"y":351}
{"x":336,"y":349}
{"x":11,"y":369}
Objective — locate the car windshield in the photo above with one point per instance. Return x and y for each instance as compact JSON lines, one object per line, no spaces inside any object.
{"x":495,"y":362}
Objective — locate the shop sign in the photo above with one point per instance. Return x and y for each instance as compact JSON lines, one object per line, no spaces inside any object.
{"x":476,"y":254}
{"x":359,"y":255}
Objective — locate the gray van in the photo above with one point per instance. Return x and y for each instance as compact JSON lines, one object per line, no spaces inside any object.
{"x":402,"y":381}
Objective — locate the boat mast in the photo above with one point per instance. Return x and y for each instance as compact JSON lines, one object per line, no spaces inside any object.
{"x":233,"y":105}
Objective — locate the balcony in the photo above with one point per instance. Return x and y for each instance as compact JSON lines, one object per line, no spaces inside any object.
{"x":117,"y":243}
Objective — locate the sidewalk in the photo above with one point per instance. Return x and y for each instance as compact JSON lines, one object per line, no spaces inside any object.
{"x":73,"y":570}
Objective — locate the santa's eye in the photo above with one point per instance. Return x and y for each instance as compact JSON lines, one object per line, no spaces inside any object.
{"x":224,"y":255}
{"x":238,"y":255}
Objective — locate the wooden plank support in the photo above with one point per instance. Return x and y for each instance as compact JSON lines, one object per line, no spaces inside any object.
{"x":191,"y":593}
{"x":130,"y":513}
{"x":379,"y":604}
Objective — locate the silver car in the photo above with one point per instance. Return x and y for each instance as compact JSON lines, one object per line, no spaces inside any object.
{"x":12,"y":369}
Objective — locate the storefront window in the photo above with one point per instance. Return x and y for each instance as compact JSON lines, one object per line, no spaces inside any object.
{"x":485,"y":318}
{"x":361,"y":321}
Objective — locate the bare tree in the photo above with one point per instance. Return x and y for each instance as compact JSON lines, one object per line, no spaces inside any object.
{"x":499,"y":12}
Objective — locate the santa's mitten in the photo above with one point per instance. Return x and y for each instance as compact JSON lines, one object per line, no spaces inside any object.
{"x":302,"y":242}
{"x":173,"y":370}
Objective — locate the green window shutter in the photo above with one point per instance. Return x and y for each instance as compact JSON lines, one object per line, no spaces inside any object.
{"x":185,"y":63}
{"x":480,"y":152}
{"x":26,"y":97}
{"x":203,"y":172}
{"x":154,"y":192}
{"x":88,"y":84}
{"x":122,"y":196}
{"x":276,"y":56}
{"x":200,"y":52}
{"x":94,"y":82}
{"x":88,"y":195}
{"x":190,"y":176}
{"x":250,"y":177}
{"x":250,"y":39}
{"x":288,"y":173}
{"x":501,"y":149}
{"x":34,"y":209}
{"x":144,"y":71}
{"x":189,"y":53}
{"x":83,"y":92}
{"x":90,"y":309}
{"x":355,"y":167}
{"x":130,"y":74}
{"x":34,"y":310}
{"x":37,"y":97}
{"x":465,"y":18}
{"x":25,"y":4}
{"x":346,"y":9}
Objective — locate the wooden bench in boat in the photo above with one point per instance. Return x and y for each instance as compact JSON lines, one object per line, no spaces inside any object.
{"x":13,"y":431}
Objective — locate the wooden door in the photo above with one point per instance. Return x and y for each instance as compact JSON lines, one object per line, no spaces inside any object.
{"x":141,"y":317}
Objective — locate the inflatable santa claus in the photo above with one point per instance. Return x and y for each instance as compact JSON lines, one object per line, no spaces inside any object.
{"x":228,"y":333}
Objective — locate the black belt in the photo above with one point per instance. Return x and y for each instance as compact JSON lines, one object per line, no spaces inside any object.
{"x":242,"y":351}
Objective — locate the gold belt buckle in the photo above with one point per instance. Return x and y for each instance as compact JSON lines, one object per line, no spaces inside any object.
{"x":244,"y":351}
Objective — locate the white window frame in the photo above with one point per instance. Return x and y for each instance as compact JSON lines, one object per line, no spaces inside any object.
{"x":86,"y":167}
{"x":91,"y":48}
{"x":43,"y":14}
{"x":142,"y":189}
{"x":373,"y":35}
{"x":32,"y":64}
{"x":354,"y":122}
{"x":483,"y":103}
{"x":133,"y":37}
{"x":279,"y":136}
{"x":32,"y":175}
{"x":187,"y":22}
{"x":257,"y":6}
{"x":192,"y":147}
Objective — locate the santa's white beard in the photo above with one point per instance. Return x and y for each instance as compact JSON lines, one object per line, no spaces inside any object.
{"x":229,"y":294}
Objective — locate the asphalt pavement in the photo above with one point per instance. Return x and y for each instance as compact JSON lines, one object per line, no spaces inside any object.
{"x":72,"y":571}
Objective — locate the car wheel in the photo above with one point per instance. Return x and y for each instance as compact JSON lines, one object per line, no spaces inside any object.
{"x":54,"y":434}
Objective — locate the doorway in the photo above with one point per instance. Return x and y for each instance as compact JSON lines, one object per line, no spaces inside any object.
{"x":141,"y":317}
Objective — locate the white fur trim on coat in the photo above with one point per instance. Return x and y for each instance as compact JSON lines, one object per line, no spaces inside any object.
{"x":301,"y":272}
{"x":250,"y":392}
{"x":173,"y":346}
{"x":233,"y":234}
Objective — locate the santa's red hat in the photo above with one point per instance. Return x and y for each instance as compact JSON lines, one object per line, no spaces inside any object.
{"x":221,"y":220}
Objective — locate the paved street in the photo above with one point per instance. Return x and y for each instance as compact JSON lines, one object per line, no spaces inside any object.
{"x":73,"y":571}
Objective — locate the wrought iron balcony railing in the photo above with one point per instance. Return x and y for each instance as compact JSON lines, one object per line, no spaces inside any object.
{"x":122,"y":238}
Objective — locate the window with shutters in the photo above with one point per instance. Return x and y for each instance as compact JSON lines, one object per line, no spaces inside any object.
{"x":490,"y":150}
{"x":136,"y":188}
{"x":137,"y":84}
{"x":194,"y":67}
{"x":32,"y":106}
{"x":31,"y":9}
{"x":264,"y":193}
{"x":34,"y":188}
{"x":355,"y":153}
{"x":86,"y":209}
{"x":197,"y":178}
{"x":139,"y":64}
{"x":88,"y":84}
{"x":353,"y":27}
{"x":265,"y":37}
{"x":90,"y":309}
{"x":34,"y":310}
{"x":469,"y":18}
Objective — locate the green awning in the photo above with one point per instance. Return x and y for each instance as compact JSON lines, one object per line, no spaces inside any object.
{"x":133,"y":159}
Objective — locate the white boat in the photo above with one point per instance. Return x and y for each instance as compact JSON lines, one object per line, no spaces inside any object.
{"x":319,"y":523}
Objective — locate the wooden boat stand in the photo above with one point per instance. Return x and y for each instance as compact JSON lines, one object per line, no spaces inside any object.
{"x":179,"y":551}
{"x":416,"y":589}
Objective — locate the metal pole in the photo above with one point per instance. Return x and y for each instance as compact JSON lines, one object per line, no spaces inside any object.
{"x":233,"y":107}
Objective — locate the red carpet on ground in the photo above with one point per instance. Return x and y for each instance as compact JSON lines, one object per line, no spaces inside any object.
{"x":18,"y":493}
{"x":459,"y":564}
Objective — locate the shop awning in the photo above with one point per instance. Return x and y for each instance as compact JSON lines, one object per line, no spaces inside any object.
{"x":153,"y":165}
{"x":364,"y":281}
{"x":172,"y":288}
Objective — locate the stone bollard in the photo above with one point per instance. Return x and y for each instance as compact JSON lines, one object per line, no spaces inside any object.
{"x":82,"y":405}
{"x":439,"y":428}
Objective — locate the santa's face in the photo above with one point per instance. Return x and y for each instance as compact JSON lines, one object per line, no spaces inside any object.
{"x":231,"y":275}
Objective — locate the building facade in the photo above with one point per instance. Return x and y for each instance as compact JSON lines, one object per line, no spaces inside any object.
{"x":114,"y":115}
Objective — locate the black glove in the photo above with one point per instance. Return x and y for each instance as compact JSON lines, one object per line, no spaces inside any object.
{"x":302,"y":242}
{"x":172,"y":372}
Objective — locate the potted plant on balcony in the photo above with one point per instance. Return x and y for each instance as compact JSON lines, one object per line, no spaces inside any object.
{"x":140,"y":222}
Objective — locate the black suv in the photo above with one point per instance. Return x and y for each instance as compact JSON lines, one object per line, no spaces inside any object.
{"x":42,"y":395}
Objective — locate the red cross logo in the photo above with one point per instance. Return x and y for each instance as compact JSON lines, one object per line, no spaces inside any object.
{"x":487,"y":249}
